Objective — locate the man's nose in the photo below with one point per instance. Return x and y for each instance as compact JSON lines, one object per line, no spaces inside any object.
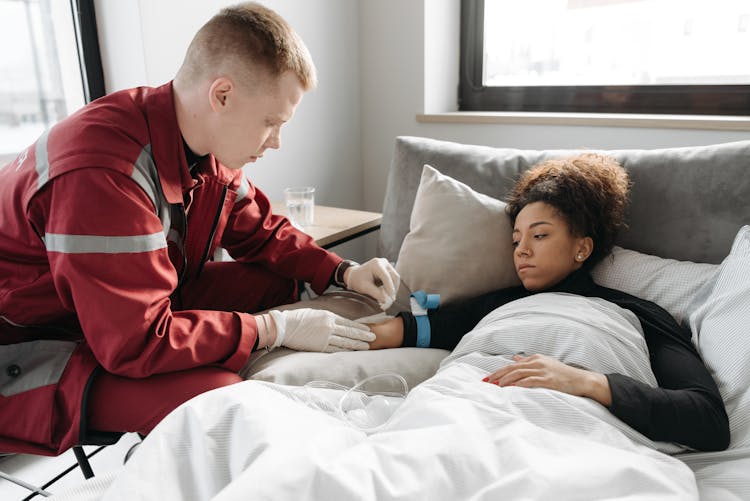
{"x":274,"y":141}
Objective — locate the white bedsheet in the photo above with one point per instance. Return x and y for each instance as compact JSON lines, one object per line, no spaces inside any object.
{"x":454,"y":437}
{"x":721,"y":476}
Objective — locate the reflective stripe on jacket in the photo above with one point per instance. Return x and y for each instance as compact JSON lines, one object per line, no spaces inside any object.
{"x":101,"y":219}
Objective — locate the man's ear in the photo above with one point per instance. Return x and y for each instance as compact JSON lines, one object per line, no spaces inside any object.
{"x":219,"y":93}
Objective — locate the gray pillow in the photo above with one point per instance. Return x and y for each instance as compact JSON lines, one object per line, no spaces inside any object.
{"x":297,"y":368}
{"x":686,"y":203}
{"x":285,"y":366}
{"x":459,"y":241}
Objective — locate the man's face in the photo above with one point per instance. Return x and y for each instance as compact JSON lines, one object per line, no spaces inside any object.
{"x":249,"y":122}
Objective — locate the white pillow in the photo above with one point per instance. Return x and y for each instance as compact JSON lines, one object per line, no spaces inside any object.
{"x":721,"y":331}
{"x":459,"y":241}
{"x":671,"y":284}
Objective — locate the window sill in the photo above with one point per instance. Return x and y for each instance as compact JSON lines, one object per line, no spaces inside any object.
{"x":740,"y":123}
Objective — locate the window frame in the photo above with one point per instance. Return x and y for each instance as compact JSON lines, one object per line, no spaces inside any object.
{"x":729,"y":100}
{"x":87,"y":43}
{"x":89,"y":58}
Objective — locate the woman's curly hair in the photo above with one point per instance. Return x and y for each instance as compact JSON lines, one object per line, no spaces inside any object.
{"x":590,"y":191}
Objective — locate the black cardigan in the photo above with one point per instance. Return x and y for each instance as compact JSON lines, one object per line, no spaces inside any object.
{"x":686,"y":408}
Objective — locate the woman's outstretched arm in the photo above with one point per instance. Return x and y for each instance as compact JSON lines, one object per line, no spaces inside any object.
{"x":448,"y":323}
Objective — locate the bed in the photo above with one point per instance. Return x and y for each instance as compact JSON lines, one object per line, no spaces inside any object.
{"x":415,"y":423}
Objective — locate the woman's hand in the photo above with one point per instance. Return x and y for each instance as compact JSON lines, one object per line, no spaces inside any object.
{"x":541,"y":371}
{"x":388,"y":334}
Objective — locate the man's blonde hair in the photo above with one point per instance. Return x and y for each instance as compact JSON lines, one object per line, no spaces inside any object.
{"x":244,"y":38}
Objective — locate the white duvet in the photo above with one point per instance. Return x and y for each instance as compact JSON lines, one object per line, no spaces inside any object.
{"x":454,"y":437}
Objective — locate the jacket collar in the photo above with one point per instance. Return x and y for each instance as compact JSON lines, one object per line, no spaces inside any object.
{"x":166,"y":143}
{"x":169,"y":152}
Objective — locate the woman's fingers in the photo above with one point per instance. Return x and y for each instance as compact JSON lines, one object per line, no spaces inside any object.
{"x":517,"y":376}
{"x":540,"y":371}
{"x":527,"y":371}
{"x":520,"y":361}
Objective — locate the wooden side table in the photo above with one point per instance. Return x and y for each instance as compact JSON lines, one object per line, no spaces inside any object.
{"x":334,"y":226}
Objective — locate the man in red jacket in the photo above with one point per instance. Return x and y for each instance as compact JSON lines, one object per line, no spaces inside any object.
{"x":111,"y":312}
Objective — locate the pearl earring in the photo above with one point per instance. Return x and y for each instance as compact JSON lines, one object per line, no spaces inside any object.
{"x":579,"y":257}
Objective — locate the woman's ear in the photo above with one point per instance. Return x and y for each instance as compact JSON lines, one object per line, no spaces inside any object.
{"x":584,"y":249}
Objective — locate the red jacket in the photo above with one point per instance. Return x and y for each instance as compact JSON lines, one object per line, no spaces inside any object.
{"x":92,"y":241}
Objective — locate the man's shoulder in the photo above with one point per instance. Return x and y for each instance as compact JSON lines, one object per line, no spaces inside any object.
{"x":102,"y":120}
{"x":113,"y":126}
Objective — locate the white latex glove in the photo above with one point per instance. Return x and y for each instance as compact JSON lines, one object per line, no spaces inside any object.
{"x":377,"y":278}
{"x":318,"y":330}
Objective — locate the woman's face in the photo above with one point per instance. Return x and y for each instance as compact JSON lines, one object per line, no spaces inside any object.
{"x":545,"y":249}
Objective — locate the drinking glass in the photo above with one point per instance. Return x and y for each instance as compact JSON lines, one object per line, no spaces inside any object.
{"x":300,"y":203}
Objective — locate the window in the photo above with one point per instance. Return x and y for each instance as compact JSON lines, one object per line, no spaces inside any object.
{"x":50,"y":66}
{"x":606,"y":56}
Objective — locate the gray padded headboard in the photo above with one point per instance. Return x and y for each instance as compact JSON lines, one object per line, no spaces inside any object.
{"x":686,"y":203}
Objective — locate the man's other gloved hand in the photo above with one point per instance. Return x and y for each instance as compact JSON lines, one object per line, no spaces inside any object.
{"x":377,"y":278}
{"x":318,"y":330}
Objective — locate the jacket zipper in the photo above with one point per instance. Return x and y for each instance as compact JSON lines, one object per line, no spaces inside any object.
{"x":176,"y":295}
{"x":183,"y":272}
{"x":213,"y":230}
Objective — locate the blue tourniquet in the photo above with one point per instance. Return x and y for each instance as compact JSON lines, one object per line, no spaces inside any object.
{"x":421,"y":302}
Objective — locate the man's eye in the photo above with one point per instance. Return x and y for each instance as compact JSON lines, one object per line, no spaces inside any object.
{"x":514,"y":244}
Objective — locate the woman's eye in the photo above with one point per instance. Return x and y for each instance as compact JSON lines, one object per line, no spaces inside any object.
{"x":539,"y":236}
{"x":514,"y":244}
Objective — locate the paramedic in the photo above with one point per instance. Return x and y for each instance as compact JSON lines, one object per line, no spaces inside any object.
{"x":111,"y":310}
{"x":565,"y":216}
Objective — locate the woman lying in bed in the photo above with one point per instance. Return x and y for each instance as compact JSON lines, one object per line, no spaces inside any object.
{"x":565,"y":216}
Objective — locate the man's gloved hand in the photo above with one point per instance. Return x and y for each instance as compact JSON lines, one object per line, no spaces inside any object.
{"x":377,"y":278}
{"x":318,"y":330}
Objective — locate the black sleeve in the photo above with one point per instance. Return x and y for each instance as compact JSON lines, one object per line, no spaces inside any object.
{"x":449,"y":323}
{"x":686,"y":408}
